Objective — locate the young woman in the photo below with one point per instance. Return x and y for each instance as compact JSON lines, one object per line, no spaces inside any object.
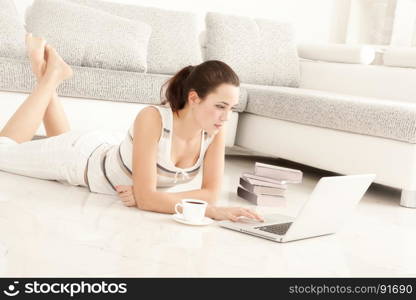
{"x":167,"y":144}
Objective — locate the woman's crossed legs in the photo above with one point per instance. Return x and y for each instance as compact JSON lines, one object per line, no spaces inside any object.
{"x":43,"y":104}
{"x":56,"y":157}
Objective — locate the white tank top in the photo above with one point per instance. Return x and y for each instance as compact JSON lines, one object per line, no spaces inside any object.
{"x":111,"y":165}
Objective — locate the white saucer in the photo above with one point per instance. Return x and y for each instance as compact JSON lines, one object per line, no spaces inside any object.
{"x":204,"y":221}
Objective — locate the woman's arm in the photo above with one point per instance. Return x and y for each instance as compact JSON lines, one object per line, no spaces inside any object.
{"x":213,"y":171}
{"x":164,"y":202}
{"x":214,"y":212}
{"x":147,"y":129}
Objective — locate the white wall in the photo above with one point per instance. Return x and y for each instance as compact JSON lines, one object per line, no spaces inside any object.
{"x":311,"y":18}
{"x":375,"y":22}
{"x":404,"y":29}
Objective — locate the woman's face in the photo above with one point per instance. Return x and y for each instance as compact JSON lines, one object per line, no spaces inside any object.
{"x":212,"y":112}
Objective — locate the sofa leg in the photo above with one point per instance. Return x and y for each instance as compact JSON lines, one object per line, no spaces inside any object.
{"x":408,"y":199}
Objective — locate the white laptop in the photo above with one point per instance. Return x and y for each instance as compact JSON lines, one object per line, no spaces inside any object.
{"x":328,"y":207}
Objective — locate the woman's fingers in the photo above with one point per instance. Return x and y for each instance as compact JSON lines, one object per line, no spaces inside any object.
{"x":255,"y":215}
{"x":123,"y":188}
{"x":233,"y":217}
{"x":244,"y":212}
{"x":126,"y":197}
{"x":129,"y":204}
{"x":125,"y":192}
{"x":128,"y":201}
{"x":235,"y":214}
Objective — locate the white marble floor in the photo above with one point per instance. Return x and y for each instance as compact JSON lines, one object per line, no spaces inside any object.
{"x":50,"y":229}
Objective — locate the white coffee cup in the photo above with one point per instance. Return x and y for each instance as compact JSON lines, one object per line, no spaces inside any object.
{"x":193,"y":210}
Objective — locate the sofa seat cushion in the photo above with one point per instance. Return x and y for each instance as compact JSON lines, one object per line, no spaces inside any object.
{"x":94,"y":83}
{"x":88,"y":37}
{"x":174,"y":43}
{"x":370,"y":116}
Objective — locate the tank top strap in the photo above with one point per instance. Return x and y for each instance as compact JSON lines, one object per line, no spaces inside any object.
{"x":166,"y":115}
{"x":208,"y":139}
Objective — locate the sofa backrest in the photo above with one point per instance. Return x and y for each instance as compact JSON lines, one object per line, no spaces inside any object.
{"x":174,"y":42}
{"x":260,"y":51}
{"x":376,"y":81}
{"x":8,"y":7}
{"x":12,"y":32}
{"x":87,"y":37}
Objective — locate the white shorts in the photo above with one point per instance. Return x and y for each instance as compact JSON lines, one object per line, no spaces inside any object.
{"x":62,"y":158}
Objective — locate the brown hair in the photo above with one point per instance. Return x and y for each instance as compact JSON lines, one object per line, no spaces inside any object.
{"x":203,"y":78}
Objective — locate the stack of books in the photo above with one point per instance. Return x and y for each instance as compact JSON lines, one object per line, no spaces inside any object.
{"x":267,"y":184}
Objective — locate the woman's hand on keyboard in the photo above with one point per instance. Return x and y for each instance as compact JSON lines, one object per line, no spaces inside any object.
{"x":125,"y":192}
{"x":232,"y":213}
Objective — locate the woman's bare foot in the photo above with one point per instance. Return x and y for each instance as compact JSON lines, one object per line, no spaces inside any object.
{"x":35,"y":48}
{"x":56,"y":67}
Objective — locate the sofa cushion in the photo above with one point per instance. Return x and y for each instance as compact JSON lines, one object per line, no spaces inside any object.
{"x":260,"y":51}
{"x":12,"y":31}
{"x":88,"y":37}
{"x":104,"y":84}
{"x":404,"y":57}
{"x":174,"y":42}
{"x":370,"y":116}
{"x":343,"y":53}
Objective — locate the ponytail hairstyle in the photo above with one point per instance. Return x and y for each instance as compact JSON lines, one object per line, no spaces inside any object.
{"x":203,"y":79}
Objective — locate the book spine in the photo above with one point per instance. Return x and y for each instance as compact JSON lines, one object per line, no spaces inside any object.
{"x":247,"y":185}
{"x":292,"y":176}
{"x":273,"y":167}
{"x":241,"y":192}
{"x":263,"y":178}
{"x":256,"y":182}
{"x":264,"y":190}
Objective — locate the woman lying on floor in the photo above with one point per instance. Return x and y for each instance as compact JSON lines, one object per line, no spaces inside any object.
{"x":166,"y":145}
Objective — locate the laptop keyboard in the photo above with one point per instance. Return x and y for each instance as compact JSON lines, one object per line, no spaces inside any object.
{"x":279,"y":229}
